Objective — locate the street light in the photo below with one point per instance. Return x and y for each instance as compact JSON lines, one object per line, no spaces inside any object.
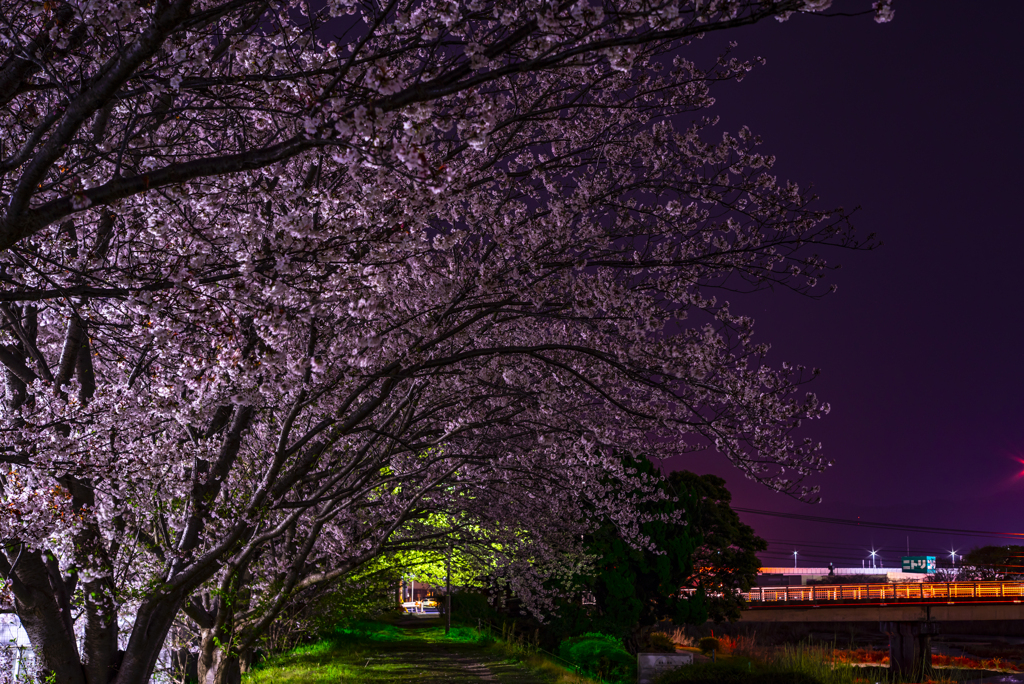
{"x":794,"y":558}
{"x":873,"y":554}
{"x":448,"y":590}
{"x":952,"y":557}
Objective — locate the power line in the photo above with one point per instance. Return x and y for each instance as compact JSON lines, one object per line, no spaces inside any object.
{"x":881,"y":525}
{"x":816,"y":544}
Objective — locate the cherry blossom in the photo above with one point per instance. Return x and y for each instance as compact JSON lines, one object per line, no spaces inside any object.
{"x":276,"y":280}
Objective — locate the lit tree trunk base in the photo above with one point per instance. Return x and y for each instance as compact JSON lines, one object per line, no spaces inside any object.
{"x":229,"y":671}
{"x":218,"y":665}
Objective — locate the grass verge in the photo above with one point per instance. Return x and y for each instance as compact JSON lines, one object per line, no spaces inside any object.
{"x":376,"y":652}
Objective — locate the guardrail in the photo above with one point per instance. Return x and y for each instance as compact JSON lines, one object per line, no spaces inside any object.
{"x":921,"y":591}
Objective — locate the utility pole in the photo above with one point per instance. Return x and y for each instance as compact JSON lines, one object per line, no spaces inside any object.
{"x":448,"y":590}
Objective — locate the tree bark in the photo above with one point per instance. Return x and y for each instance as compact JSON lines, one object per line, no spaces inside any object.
{"x":152,"y":623}
{"x":229,"y":670}
{"x":209,"y":654}
{"x":100,"y":643}
{"x":56,"y":652}
{"x":217,"y":664}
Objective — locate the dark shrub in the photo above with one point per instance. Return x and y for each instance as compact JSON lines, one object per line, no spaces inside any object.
{"x":658,"y":642}
{"x":600,"y":655}
{"x":709,"y":644}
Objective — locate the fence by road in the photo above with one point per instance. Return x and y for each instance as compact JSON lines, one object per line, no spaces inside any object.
{"x":946,"y":592}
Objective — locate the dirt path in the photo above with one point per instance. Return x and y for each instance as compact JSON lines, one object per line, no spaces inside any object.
{"x":428,"y":662}
{"x":417,"y":653}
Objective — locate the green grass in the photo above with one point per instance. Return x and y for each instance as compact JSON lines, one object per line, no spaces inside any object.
{"x":375,"y":652}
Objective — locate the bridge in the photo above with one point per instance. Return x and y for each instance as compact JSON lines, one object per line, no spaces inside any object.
{"x":909,"y":613}
{"x":861,"y":594}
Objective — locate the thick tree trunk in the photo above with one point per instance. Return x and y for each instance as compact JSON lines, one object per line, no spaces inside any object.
{"x":56,"y":652}
{"x":152,"y":623}
{"x":229,"y":670}
{"x":37,"y":603}
{"x":100,"y":643}
{"x":246,"y":659}
{"x":208,"y":653}
{"x":217,"y":665}
{"x":222,"y":657}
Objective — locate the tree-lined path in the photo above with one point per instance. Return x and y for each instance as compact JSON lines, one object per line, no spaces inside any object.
{"x":288,"y":288}
{"x":400,"y":654}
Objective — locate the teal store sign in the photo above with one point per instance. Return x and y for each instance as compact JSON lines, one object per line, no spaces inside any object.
{"x":919,"y":564}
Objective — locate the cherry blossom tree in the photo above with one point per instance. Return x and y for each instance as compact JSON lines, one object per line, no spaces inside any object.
{"x":496,"y":526}
{"x":107,"y":101}
{"x":272,"y":268}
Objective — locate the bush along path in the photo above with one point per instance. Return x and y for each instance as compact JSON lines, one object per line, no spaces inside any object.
{"x":371,"y":653}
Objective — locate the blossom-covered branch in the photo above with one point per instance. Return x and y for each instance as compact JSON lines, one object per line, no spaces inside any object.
{"x":475,"y":247}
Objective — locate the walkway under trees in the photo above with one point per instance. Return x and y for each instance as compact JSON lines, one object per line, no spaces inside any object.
{"x":420,"y":655}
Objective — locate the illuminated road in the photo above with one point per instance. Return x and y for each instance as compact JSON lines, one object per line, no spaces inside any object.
{"x":885,"y":594}
{"x":911,"y":602}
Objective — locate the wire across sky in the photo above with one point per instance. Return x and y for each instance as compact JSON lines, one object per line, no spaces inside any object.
{"x":816,"y":553}
{"x":885,"y":526}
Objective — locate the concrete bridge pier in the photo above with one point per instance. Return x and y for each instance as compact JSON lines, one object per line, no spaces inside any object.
{"x":910,"y":648}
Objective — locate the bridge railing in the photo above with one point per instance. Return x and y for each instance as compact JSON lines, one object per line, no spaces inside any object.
{"x":924,"y":591}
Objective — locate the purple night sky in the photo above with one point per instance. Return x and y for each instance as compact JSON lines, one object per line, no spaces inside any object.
{"x":920,"y":123}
